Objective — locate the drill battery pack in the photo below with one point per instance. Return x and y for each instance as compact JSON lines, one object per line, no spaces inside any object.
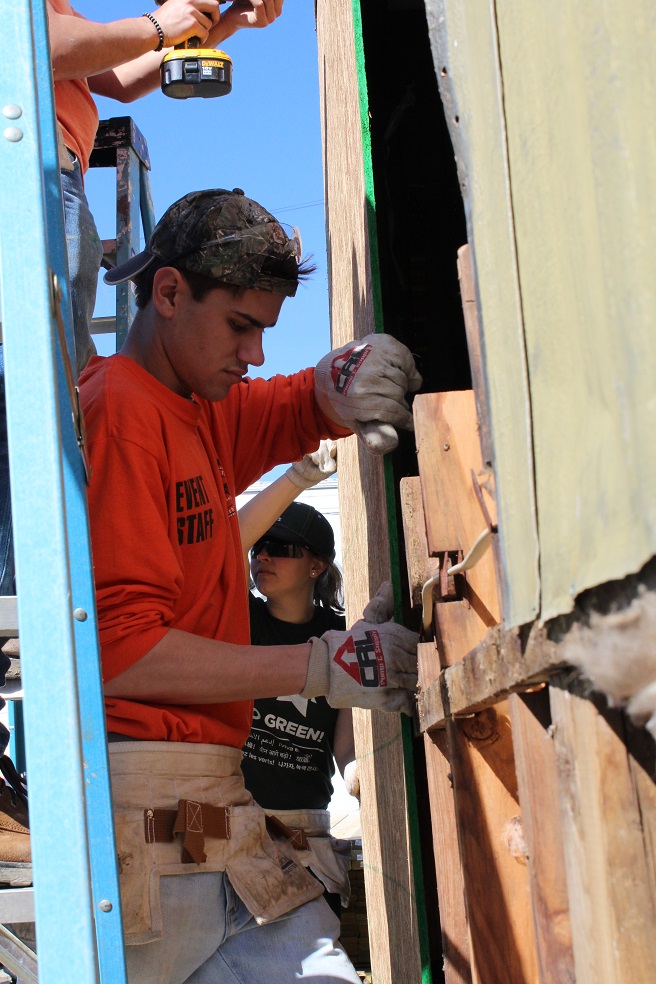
{"x":196,"y":72}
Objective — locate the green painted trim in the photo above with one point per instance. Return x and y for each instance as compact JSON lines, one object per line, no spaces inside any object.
{"x":390,"y":496}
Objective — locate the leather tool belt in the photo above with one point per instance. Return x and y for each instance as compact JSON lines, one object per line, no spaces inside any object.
{"x":181,"y":808}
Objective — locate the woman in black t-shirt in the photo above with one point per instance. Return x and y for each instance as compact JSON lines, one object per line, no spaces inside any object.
{"x":288,"y":759}
{"x":289,"y":756}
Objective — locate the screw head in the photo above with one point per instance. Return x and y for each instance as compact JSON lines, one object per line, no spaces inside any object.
{"x":80,"y":615}
{"x":12,"y":111}
{"x":105,"y":905}
{"x":13,"y":134}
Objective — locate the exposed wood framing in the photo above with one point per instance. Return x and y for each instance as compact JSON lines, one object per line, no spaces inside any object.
{"x":607,"y":852}
{"x":497,"y":888}
{"x":363,"y":513}
{"x":537,"y":781}
{"x":456,"y":947}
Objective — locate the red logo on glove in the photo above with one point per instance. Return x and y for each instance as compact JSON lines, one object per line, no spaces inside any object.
{"x":367,"y":665}
{"x":345,"y":365}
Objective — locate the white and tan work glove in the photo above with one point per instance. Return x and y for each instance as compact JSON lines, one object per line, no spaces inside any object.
{"x":372,"y":665}
{"x":351,"y":777}
{"x":315,"y":467}
{"x":362,"y":385}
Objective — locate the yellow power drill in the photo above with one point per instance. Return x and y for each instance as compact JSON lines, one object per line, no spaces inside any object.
{"x":190,"y":71}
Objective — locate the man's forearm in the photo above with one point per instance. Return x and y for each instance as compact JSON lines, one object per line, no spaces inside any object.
{"x":187,"y":669}
{"x":80,"y":48}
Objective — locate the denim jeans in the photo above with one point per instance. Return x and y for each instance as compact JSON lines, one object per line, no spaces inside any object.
{"x":210,"y":937}
{"x":84,"y":256}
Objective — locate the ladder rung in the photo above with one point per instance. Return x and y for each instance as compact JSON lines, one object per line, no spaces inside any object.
{"x":103,"y":326}
{"x":8,"y":615}
{"x":16,"y":905}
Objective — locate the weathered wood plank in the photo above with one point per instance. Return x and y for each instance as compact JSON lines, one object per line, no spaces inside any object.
{"x":611,"y":901}
{"x":363,"y":511}
{"x":642,"y":762}
{"x":501,"y":664}
{"x":495,"y":873}
{"x":465,"y":53}
{"x":456,"y":946}
{"x":420,"y":564}
{"x":537,"y":781}
{"x":429,"y":671}
{"x":448,"y":451}
{"x":449,"y":456}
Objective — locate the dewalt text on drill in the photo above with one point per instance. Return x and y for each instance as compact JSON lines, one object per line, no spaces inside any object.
{"x":191,"y":71}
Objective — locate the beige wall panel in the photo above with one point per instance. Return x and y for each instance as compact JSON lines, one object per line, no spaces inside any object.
{"x":463,"y":38}
{"x":580,"y":101}
{"x":363,"y":513}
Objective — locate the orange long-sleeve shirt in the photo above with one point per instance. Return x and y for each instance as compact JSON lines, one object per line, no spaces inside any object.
{"x":76,"y":111}
{"x":165,"y":536}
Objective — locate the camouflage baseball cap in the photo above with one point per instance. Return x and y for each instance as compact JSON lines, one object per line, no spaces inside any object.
{"x":224,"y":235}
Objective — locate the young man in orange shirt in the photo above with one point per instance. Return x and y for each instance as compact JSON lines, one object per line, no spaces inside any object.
{"x":121,"y":60}
{"x":175,"y":431}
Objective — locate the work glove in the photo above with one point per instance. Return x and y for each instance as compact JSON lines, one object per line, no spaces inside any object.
{"x":315,"y":467}
{"x":363,"y":384}
{"x":372,"y":665}
{"x":380,"y":608}
{"x":352,"y":779}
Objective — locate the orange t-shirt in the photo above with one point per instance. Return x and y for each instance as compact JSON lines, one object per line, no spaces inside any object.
{"x":165,"y":535}
{"x":76,"y":111}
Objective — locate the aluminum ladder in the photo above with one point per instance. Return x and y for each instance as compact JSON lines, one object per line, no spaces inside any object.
{"x":75,"y":901}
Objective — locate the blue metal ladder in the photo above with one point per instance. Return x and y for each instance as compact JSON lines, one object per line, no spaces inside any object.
{"x":76,"y":897}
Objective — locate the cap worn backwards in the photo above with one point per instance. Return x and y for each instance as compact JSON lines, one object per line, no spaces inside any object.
{"x":303,"y":524}
{"x":223,"y":235}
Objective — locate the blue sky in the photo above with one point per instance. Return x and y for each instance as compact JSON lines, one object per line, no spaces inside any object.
{"x":265,"y":137}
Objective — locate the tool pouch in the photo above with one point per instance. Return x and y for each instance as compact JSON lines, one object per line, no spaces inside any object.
{"x":327,"y":857}
{"x":182,"y":808}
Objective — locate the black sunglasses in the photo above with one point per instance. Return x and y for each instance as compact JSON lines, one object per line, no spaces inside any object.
{"x":277,"y":548}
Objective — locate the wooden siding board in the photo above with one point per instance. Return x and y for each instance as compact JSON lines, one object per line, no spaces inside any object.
{"x":456,"y":945}
{"x":606,"y":851}
{"x":389,"y":884}
{"x":537,"y":781}
{"x":496,"y":878}
{"x":582,"y":162}
{"x":464,"y":44}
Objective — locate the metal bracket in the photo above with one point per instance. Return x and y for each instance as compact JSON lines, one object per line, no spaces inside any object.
{"x":443,"y":580}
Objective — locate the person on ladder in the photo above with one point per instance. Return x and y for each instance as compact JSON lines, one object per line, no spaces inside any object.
{"x":120,"y":60}
{"x":175,"y":430}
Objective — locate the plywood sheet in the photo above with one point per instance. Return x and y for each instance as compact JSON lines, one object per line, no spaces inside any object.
{"x":579,"y":94}
{"x":463,"y":39}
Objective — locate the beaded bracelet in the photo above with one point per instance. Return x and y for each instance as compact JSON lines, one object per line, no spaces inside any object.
{"x":160,"y":32}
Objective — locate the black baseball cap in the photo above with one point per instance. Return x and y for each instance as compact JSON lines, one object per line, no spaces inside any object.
{"x":306,"y":526}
